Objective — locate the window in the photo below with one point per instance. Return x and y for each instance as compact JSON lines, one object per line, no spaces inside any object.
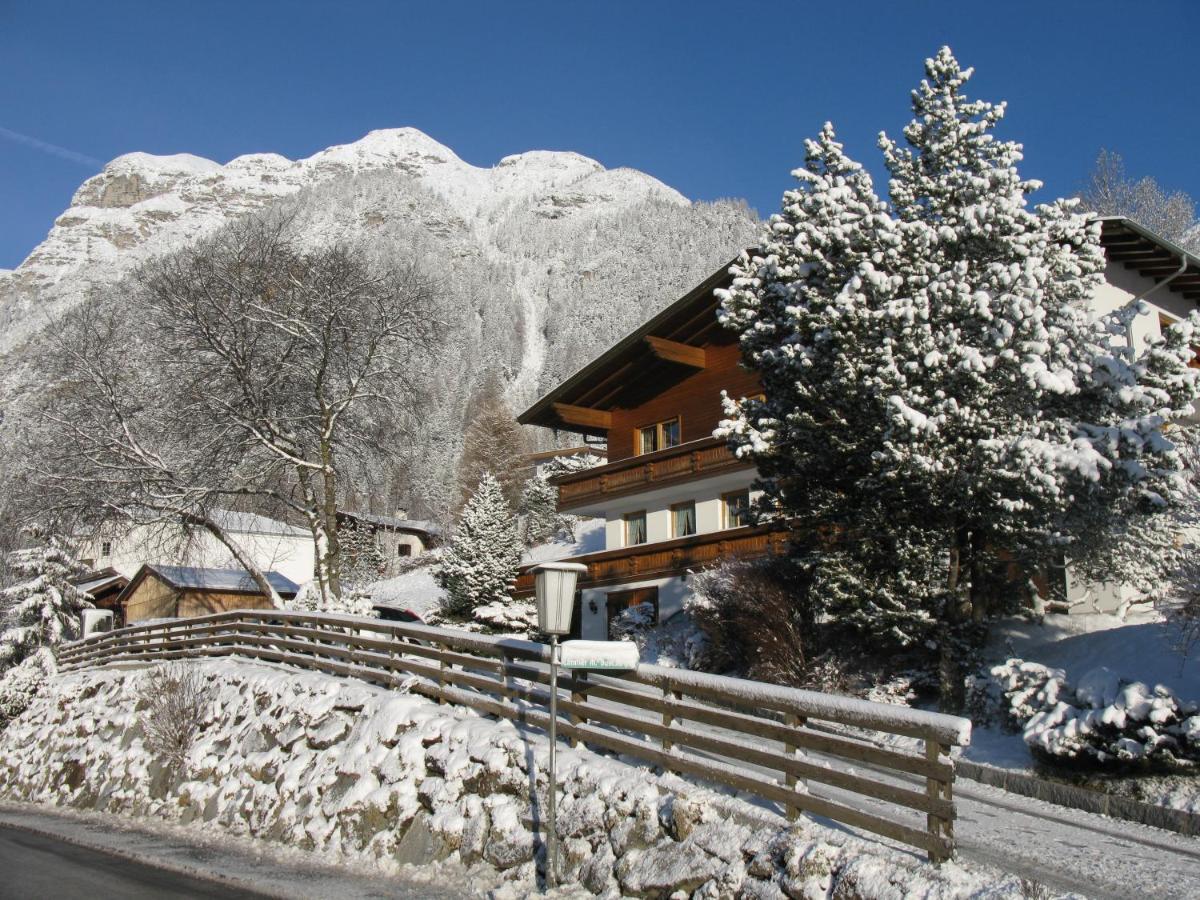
{"x":659,"y":436}
{"x":404,"y":550}
{"x":635,"y":528}
{"x":106,"y":548}
{"x":648,"y":439}
{"x":683,"y":519}
{"x":737,"y":508}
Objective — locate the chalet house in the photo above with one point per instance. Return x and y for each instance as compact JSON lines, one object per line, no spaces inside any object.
{"x":397,"y":537}
{"x":674,"y":498}
{"x":269,"y":543}
{"x":164,"y":592}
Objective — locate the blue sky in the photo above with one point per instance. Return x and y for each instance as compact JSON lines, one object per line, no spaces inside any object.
{"x":712,"y":98}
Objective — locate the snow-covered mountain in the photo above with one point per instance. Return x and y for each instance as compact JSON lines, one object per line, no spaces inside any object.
{"x":546,"y":257}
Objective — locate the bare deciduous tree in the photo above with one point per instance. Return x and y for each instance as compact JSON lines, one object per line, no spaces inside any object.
{"x":249,"y":369}
{"x":1111,"y":192}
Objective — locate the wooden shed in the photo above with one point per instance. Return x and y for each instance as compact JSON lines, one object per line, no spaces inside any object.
{"x":165,"y":592}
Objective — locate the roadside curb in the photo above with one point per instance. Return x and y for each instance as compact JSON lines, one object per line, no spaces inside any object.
{"x":1177,"y":820}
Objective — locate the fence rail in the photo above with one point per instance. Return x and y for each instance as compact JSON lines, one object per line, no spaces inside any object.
{"x":766,"y":740}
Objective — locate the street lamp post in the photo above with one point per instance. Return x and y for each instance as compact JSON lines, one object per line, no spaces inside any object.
{"x":554,"y":583}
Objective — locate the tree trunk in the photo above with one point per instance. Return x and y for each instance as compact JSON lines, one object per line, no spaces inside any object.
{"x":952,"y":645}
{"x":244,"y":560}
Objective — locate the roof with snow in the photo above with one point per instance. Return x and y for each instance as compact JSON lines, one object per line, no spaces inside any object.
{"x":690,"y":319}
{"x":420,"y":526}
{"x":253,"y":523}
{"x":234,"y":581}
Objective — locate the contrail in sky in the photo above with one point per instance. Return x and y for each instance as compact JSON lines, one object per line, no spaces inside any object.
{"x":53,"y":149}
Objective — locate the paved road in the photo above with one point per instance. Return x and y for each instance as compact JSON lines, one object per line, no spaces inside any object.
{"x":36,"y":866}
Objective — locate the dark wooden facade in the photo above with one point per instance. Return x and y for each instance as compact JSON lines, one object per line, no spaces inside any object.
{"x":675,"y":366}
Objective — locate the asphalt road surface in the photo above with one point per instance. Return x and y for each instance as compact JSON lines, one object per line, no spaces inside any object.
{"x":33,"y":866}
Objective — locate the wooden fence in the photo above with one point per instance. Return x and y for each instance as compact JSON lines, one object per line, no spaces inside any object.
{"x":766,"y":740}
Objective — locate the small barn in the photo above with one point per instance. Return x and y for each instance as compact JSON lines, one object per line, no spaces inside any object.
{"x":104,"y":587}
{"x":167,"y":592}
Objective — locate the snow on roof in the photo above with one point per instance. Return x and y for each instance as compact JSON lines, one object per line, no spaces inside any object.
{"x":220,"y":579}
{"x":393,"y":522}
{"x":253,"y":523}
{"x":100,"y":580}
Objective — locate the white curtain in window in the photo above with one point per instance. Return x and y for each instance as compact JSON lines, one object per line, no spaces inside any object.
{"x":685,"y":520}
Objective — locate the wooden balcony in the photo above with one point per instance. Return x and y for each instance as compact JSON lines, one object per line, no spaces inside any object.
{"x":634,"y":474}
{"x":665,"y":559}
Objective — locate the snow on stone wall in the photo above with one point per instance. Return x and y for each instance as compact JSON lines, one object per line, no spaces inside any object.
{"x":357,"y":772}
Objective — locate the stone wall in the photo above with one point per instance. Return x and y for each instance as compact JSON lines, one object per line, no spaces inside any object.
{"x":357,"y":772}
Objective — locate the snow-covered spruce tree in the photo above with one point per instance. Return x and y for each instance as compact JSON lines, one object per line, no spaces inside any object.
{"x":41,"y":610}
{"x":938,"y":395}
{"x":362,"y":558}
{"x":539,"y":511}
{"x":480,"y":564}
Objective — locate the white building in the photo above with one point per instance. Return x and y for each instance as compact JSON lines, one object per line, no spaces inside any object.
{"x":271,"y":544}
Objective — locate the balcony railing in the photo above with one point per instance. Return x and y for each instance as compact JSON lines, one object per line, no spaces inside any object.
{"x":686,"y":462}
{"x":664,"y":559}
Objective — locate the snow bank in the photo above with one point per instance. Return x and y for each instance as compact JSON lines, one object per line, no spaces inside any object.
{"x":358,"y":772}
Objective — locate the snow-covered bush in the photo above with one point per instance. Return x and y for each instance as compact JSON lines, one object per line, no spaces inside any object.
{"x":173,"y":700}
{"x":507,"y":616}
{"x":480,"y":565}
{"x":43,"y":609}
{"x":350,"y":603}
{"x":756,"y":618}
{"x":21,"y":683}
{"x":1103,"y":719}
{"x":362,"y":558}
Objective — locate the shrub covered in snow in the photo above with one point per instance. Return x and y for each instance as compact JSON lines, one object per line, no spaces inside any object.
{"x":480,"y":565}
{"x":173,"y":702}
{"x":43,"y":609}
{"x":1103,"y":719}
{"x":350,"y":603}
{"x":22,"y":682}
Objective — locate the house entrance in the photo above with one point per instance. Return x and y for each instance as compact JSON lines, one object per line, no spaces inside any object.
{"x":619,"y":601}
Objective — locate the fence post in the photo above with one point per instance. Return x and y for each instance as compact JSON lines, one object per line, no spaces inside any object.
{"x":577,"y":697}
{"x":441,"y":681}
{"x":794,"y":721}
{"x":939,"y":829}
{"x":667,"y":717}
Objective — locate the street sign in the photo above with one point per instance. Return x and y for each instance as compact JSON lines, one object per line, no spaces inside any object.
{"x":607,"y":655}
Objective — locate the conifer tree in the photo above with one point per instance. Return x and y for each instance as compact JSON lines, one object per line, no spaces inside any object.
{"x":539,"y":510}
{"x":493,"y":443}
{"x":480,"y":565}
{"x":41,"y":610}
{"x":937,"y":393}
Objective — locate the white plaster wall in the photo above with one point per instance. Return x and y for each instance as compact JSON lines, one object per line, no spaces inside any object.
{"x":657,"y":504}
{"x":291,"y":555}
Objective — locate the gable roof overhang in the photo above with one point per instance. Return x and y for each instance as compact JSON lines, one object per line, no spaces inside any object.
{"x":1141,"y":250}
{"x":656,"y":352}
